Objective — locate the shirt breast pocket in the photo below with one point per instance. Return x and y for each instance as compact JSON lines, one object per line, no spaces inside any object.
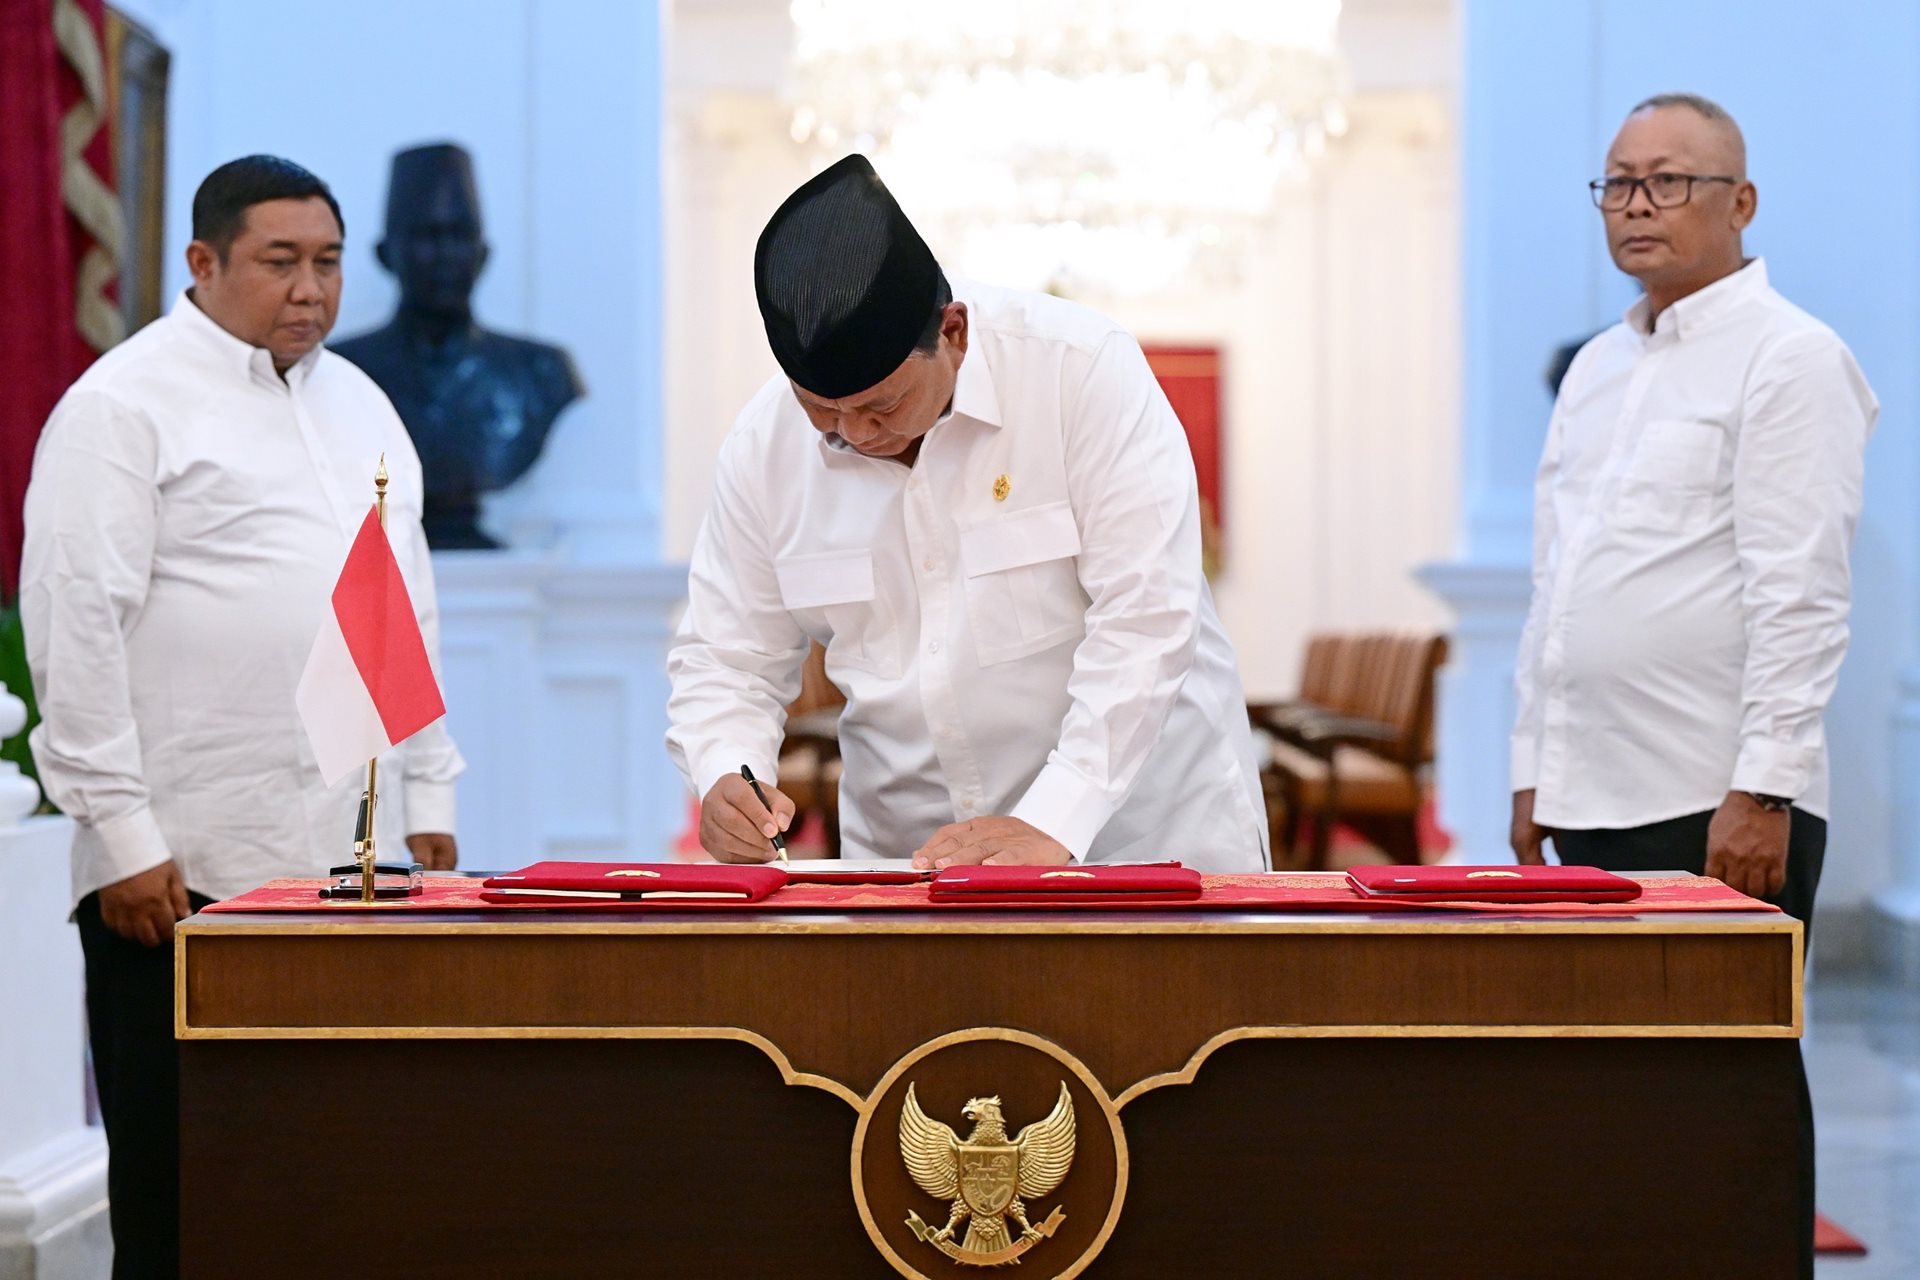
{"x":1668,"y":485}
{"x":1023,"y":588}
{"x":831,"y":596}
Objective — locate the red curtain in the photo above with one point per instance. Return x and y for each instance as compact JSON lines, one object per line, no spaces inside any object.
{"x":58,"y":239}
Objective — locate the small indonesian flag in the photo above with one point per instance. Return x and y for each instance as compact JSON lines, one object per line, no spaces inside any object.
{"x":368,"y":684}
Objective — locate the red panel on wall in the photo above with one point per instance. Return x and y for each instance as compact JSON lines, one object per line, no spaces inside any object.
{"x":1191,"y":378}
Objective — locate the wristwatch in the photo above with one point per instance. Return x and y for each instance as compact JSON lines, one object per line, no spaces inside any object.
{"x":1772,"y":804}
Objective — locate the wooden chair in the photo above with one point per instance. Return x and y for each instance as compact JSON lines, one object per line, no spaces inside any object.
{"x":810,"y":754}
{"x":1353,"y":746}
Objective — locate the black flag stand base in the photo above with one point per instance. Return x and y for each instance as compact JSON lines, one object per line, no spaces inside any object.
{"x":364,"y":879}
{"x":390,"y":880}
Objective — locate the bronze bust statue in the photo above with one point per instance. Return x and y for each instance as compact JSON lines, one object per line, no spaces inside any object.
{"x":478,"y":404}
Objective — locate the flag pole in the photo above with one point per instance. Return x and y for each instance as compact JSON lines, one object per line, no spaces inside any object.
{"x":363,"y":848}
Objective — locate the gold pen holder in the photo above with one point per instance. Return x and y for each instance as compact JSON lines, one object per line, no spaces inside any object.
{"x":390,"y":880}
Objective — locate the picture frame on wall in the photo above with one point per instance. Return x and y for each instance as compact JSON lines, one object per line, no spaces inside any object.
{"x":138,"y":67}
{"x":1190,"y":375}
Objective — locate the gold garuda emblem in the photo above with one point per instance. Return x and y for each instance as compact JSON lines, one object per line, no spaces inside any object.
{"x":989,"y":1177}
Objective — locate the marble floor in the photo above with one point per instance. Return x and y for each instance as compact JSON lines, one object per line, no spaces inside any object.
{"x":1863,"y":1061}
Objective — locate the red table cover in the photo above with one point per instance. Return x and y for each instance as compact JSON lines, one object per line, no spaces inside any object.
{"x":1507,"y":883}
{"x":1280,"y":892}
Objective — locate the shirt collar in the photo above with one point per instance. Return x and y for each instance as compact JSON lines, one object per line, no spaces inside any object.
{"x":974,"y":395}
{"x":1699,"y":310}
{"x":243,"y":358}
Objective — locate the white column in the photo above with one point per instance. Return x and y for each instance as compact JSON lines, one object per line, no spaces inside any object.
{"x":1527,"y":285}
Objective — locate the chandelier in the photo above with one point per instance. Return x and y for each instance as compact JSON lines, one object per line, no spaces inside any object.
{"x":1062,"y":143}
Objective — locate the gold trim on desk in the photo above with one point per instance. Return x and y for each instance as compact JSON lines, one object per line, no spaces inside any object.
{"x":1187,"y":1074}
{"x":788,"y":1074}
{"x":851,"y":1096}
{"x":1302,"y":1031}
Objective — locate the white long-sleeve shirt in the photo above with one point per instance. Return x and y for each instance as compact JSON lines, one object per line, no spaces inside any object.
{"x":1693,"y":513}
{"x":1052,"y":654}
{"x":188,"y":516}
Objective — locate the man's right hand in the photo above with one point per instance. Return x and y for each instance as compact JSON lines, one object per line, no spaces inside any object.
{"x":1527,"y":836}
{"x":736,"y":827}
{"x":143,"y":908}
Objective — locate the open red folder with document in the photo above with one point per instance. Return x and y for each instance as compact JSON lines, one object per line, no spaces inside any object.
{"x":559,"y":882}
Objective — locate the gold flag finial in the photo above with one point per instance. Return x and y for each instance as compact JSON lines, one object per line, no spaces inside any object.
{"x":380,"y":477}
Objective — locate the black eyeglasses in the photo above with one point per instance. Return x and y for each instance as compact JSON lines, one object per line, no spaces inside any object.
{"x":1664,"y":190}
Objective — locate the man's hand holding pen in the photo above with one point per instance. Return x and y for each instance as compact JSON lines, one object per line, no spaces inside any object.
{"x":737,"y":825}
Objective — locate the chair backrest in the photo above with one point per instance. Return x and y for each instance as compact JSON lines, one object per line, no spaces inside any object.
{"x":1413,"y":664}
{"x":1385,"y":676}
{"x":1347,"y":675}
{"x":1316,"y":670}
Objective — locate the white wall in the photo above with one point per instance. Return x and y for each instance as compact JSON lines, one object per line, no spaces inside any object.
{"x":1830,"y":103}
{"x":553,"y":661}
{"x":1341,"y":401}
{"x":559,"y":104}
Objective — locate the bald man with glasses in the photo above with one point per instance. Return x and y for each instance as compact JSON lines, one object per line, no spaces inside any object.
{"x":1693,"y":515}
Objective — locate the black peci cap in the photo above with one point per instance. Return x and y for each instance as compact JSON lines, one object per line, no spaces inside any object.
{"x":846,"y":285}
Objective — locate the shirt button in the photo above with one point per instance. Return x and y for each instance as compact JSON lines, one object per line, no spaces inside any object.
{"x":927,"y":564}
{"x":933,"y":646}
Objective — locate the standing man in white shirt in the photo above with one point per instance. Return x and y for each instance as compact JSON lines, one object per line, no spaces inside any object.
{"x":192,"y":500}
{"x":982,"y":505}
{"x":1694,"y":510}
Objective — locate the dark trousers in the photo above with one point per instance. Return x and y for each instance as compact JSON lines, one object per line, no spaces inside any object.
{"x":1681,"y":845}
{"x":136,"y":1068}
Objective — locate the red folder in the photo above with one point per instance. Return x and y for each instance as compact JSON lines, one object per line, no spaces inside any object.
{"x":1064,"y":886}
{"x":1493,"y":884}
{"x":633,"y":882}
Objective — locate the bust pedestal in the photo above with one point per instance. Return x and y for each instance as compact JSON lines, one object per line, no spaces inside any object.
{"x":53,"y":1165}
{"x":556,"y":684}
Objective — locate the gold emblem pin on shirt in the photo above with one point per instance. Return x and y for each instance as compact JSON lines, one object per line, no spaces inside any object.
{"x":1001,"y":488}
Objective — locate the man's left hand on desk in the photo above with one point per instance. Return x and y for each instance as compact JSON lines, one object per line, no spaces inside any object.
{"x":996,"y":841}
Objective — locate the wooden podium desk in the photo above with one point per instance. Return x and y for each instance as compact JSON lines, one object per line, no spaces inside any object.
{"x":709,"y":1095}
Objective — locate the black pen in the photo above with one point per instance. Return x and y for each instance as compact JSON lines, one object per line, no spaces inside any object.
{"x":779,"y":842}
